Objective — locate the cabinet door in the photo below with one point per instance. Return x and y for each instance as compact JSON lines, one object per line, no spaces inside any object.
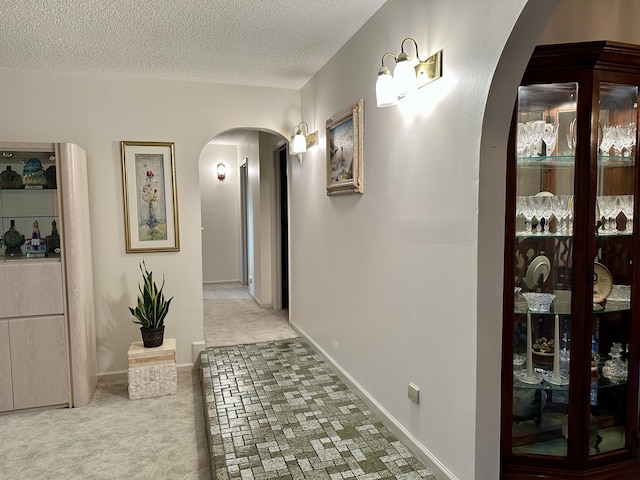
{"x":32,"y":288}
{"x":39,"y":364}
{"x":6,"y":384}
{"x":543,"y":268}
{"x":611,"y":320}
{"x":28,"y":202}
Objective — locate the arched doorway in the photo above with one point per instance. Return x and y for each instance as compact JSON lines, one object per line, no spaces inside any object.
{"x":492,"y":177}
{"x":242,"y":235}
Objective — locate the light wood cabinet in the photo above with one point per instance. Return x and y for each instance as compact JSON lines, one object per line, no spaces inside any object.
{"x":47,"y":325}
{"x":6,"y":383}
{"x":39,"y":361}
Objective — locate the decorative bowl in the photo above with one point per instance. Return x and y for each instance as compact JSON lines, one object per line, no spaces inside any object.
{"x":538,"y":302}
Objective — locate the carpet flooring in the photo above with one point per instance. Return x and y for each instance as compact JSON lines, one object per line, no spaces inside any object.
{"x":292,"y":410}
{"x":110,"y":438}
{"x":232,"y":317}
{"x":276,"y":410}
{"x":116,"y":438}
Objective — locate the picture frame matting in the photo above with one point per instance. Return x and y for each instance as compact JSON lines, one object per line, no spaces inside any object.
{"x":150,"y":196}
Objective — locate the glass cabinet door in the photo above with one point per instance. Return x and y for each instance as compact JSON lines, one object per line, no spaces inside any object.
{"x":612,"y":279}
{"x":28,"y":206}
{"x":543,"y":246}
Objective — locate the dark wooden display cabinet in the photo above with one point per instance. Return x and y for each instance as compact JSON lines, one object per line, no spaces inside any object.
{"x":570,"y":367}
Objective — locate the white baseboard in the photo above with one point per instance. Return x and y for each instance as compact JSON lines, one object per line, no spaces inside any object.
{"x":438,"y":469}
{"x":196,"y":349}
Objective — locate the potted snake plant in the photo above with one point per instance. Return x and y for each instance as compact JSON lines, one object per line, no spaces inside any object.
{"x":151,"y":309}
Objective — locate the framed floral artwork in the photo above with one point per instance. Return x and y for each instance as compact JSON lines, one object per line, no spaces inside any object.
{"x":150,"y":198}
{"x":344,"y":151}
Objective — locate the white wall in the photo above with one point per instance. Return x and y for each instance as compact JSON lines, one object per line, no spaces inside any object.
{"x":96,"y":114}
{"x":587,"y":20}
{"x":405,"y":281}
{"x":220,"y":210}
{"x":386,"y":283}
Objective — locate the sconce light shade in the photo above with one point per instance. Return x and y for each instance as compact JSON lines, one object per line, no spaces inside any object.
{"x":299,"y":143}
{"x":405,"y":75}
{"x":386,"y":92}
{"x":221,"y":170}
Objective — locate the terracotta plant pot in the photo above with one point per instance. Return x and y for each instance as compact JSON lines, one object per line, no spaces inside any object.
{"x":152,"y":337}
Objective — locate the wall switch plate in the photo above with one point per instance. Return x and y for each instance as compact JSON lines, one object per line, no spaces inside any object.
{"x":414,"y":393}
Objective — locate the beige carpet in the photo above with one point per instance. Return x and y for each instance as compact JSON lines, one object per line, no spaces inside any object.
{"x":110,"y":438}
{"x":116,"y":438}
{"x":232,"y":317}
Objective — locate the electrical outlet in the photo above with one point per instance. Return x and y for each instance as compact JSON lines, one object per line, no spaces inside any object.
{"x":414,"y":393}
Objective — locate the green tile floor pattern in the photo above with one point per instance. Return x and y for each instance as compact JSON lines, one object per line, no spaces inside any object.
{"x":276,"y":410}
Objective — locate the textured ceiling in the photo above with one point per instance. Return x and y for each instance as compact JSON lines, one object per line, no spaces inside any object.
{"x":274,"y":43}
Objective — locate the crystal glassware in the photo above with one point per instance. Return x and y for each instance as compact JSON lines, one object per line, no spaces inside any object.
{"x":539,"y":302}
{"x":550,"y":136}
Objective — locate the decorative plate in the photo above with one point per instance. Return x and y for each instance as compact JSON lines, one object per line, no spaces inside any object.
{"x":538,"y":266}
{"x":602,"y":283}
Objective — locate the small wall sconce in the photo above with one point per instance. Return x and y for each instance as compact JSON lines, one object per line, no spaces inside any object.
{"x":300,"y":142}
{"x":221,"y":170}
{"x":407,"y":76}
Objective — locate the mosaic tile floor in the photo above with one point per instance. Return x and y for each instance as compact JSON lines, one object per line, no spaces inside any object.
{"x":276,"y":410}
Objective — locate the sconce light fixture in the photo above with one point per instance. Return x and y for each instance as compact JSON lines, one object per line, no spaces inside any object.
{"x":300,"y":142}
{"x":221,"y":170}
{"x":408,"y":75}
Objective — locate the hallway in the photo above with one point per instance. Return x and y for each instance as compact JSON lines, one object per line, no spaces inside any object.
{"x":274,"y":409}
{"x":231,"y":317}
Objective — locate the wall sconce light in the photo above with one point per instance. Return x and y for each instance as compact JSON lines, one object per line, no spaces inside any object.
{"x":300,"y":142}
{"x":408,"y":75}
{"x":221,"y":170}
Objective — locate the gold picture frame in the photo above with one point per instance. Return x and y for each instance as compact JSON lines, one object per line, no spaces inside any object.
{"x":150,"y":198}
{"x":345,"y":132}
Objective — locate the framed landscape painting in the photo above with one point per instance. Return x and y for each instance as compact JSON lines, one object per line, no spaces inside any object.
{"x":344,"y":151}
{"x":150,"y":199}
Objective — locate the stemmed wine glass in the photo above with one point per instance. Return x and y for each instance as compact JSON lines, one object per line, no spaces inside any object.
{"x":550,"y":136}
{"x":609,"y":209}
{"x":524,"y":208}
{"x":608,"y":139}
{"x":628,"y":138}
{"x":524,"y":138}
{"x":537,"y":132}
{"x":562,"y":211}
{"x":542,"y":209}
{"x":626,"y":204}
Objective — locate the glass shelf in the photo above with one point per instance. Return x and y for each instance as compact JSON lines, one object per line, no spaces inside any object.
{"x":569,"y":161}
{"x":543,"y":235}
{"x":600,"y":384}
{"x":562,"y":305}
